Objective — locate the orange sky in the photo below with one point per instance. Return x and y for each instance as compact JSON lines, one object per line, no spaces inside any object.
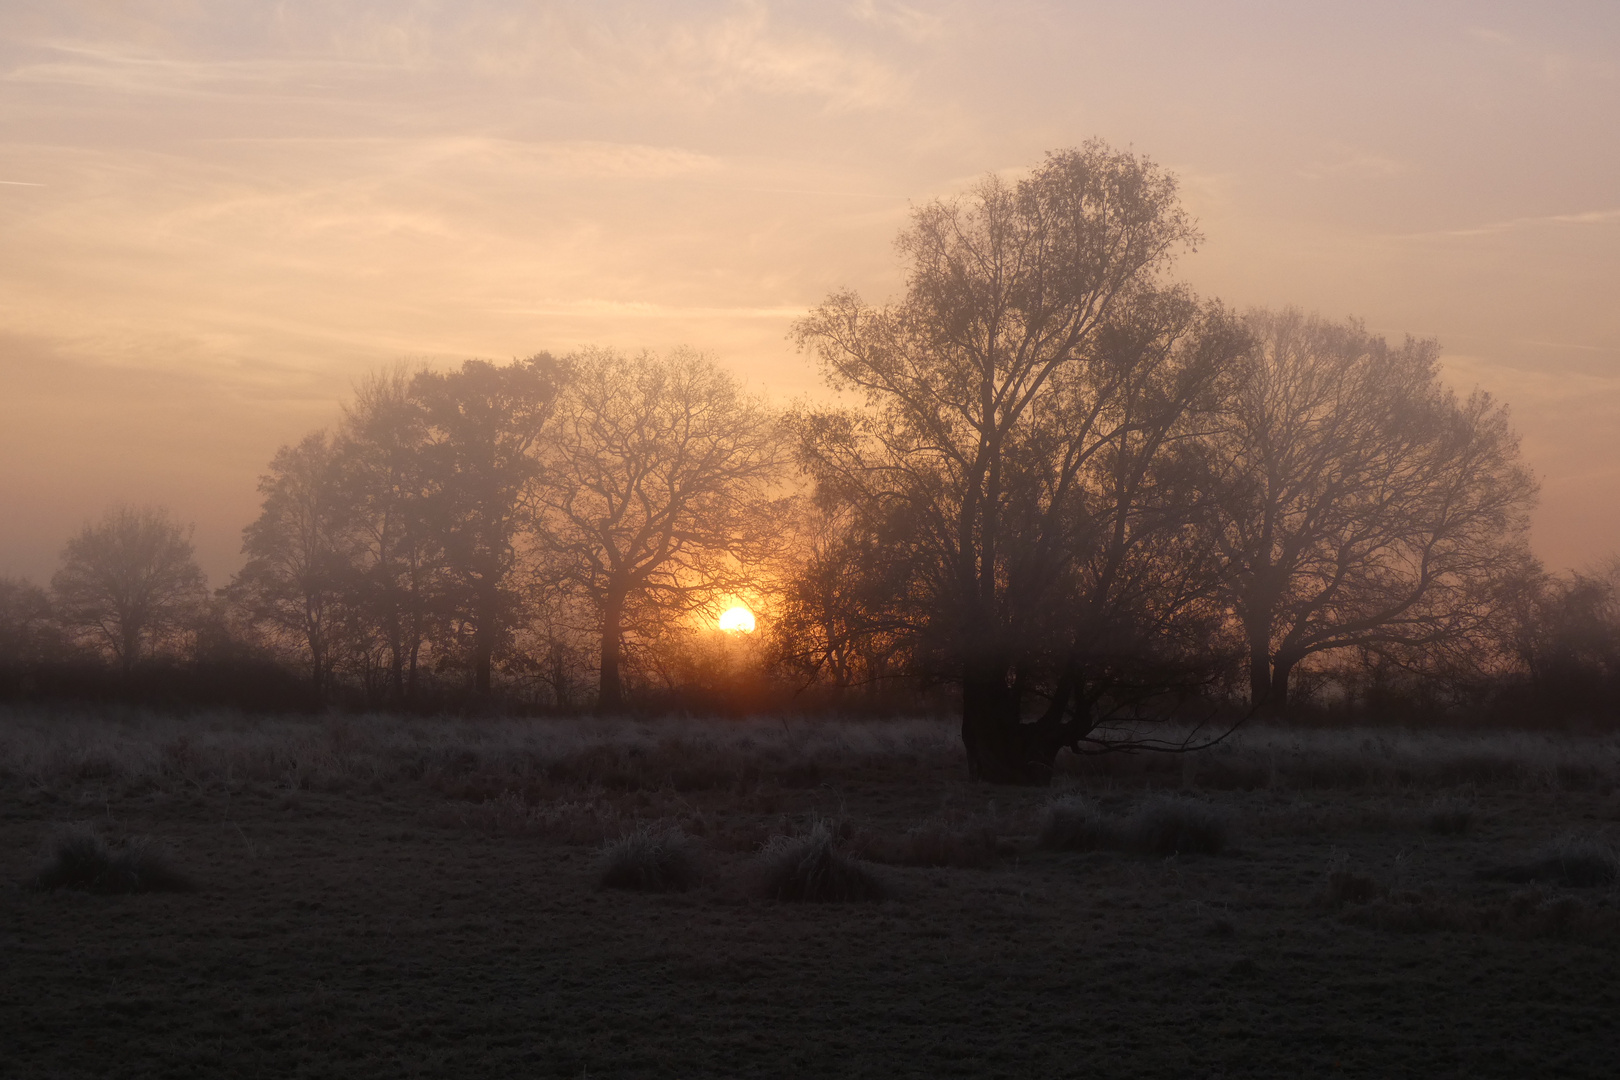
{"x":214,"y":216}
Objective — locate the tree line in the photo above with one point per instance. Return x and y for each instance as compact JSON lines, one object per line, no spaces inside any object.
{"x":1051,"y":483}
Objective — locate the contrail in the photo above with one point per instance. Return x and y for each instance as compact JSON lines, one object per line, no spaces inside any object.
{"x":21,"y":183}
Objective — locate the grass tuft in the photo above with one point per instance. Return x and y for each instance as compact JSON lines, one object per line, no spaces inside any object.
{"x":1160,"y":825}
{"x":1172,"y":825}
{"x":648,"y":859}
{"x":1073,"y":823}
{"x":810,"y":868}
{"x":79,"y":858}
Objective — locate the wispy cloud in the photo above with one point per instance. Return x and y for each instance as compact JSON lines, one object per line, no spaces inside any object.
{"x":1586,"y":217}
{"x":1552,"y":65}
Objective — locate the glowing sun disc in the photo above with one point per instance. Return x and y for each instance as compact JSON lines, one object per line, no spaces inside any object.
{"x":737,"y":620}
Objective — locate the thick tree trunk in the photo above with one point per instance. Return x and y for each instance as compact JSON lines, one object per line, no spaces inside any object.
{"x":1268,"y":681}
{"x":610,"y":689}
{"x":1001,"y":747}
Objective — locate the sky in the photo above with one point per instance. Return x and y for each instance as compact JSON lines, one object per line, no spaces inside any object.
{"x":216,"y":216}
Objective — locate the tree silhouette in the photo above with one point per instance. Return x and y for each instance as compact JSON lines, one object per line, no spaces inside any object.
{"x":1355,"y":501}
{"x":483,"y":423}
{"x":129,"y":581}
{"x":298,"y":580}
{"x":990,"y":411}
{"x":27,"y":623}
{"x":657,"y":492}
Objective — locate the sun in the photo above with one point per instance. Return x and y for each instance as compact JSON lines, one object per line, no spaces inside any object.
{"x":737,"y":620}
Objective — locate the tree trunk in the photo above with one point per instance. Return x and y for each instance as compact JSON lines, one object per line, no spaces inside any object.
{"x":610,"y":690}
{"x":1281,"y":668}
{"x":484,"y":645}
{"x":1001,"y":748}
{"x":1268,"y":681}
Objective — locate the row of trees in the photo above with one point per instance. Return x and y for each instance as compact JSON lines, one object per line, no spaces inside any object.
{"x":1052,"y":478}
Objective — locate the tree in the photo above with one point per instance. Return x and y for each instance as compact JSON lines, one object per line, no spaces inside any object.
{"x":657,"y":492}
{"x":1357,"y":503}
{"x":27,"y":623}
{"x":1016,"y":405}
{"x":483,"y":424}
{"x":398,"y":567}
{"x":129,"y":581}
{"x":298,"y":577}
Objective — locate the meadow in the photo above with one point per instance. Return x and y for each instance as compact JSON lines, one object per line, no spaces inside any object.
{"x":220,"y":895}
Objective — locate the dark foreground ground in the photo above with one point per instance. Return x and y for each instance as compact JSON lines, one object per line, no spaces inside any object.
{"x":382,"y":900}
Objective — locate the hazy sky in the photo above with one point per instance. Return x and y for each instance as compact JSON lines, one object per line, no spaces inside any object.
{"x":215,"y":215}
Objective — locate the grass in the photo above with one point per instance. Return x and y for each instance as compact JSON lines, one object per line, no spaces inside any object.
{"x":810,"y":868}
{"x":464,"y":897}
{"x":1160,"y":825}
{"x":651,"y":859}
{"x":1581,"y":863}
{"x":79,"y":858}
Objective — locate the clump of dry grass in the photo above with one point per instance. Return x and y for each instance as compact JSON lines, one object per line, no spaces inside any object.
{"x":651,"y":859}
{"x":79,"y":858}
{"x":810,"y":868}
{"x":1173,"y":825}
{"x":1160,"y":825}
{"x":1074,"y":823}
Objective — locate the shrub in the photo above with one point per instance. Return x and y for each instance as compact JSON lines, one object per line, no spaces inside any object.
{"x":80,"y":859}
{"x":1171,"y":825}
{"x":648,"y":859}
{"x":809,"y":868}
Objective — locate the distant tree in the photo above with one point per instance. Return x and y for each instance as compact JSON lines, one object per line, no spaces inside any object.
{"x":27,"y":623}
{"x":483,"y":424}
{"x":129,"y":581}
{"x":657,"y":492}
{"x":1566,"y":639}
{"x":1019,"y":407}
{"x":1357,"y":503}
{"x":299,"y":578}
{"x":398,"y":573}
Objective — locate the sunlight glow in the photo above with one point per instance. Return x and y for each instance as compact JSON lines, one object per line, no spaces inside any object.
{"x":737,"y":620}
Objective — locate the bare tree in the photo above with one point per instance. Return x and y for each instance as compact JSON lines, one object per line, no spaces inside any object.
{"x":129,"y":581}
{"x":398,"y":566}
{"x":298,"y":580}
{"x":1355,"y":502}
{"x":998,"y":426}
{"x":28,"y":629}
{"x":657,"y":492}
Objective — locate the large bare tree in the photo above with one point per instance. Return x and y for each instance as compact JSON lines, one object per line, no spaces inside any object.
{"x":1355,"y":501}
{"x":130,"y":582}
{"x":657,"y":492}
{"x":1007,"y":435}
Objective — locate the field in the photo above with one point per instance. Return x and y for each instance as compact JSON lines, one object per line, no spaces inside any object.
{"x":386,"y":897}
